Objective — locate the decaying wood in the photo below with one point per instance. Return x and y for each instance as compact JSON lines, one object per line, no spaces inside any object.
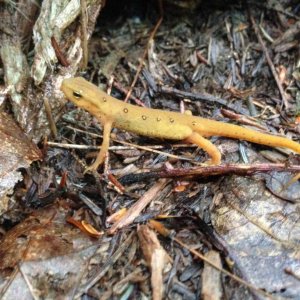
{"x":28,"y":94}
{"x":211,"y":278}
{"x":156,"y":258}
{"x":136,"y":209}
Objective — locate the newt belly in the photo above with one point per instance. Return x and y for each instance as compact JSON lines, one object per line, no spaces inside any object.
{"x":158,"y":123}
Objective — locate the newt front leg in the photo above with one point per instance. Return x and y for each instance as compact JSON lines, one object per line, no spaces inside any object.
{"x":107,"y":126}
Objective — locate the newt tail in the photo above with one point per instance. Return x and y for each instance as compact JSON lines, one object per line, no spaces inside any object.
{"x":242,"y":133}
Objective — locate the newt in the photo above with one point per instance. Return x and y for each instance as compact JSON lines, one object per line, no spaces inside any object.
{"x":159,"y":123}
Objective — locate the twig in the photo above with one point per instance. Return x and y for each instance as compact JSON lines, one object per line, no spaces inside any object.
{"x":84,"y":21}
{"x":242,"y":119}
{"x":125,"y":91}
{"x":198,"y":96}
{"x":278,"y":10}
{"x":136,"y":209}
{"x":214,"y":265}
{"x":130,"y":146}
{"x":145,"y":53}
{"x":270,"y":63}
{"x":290,"y":33}
{"x":61,"y":58}
{"x":48,"y":111}
{"x":110,"y":261}
{"x":205,"y":171}
{"x":167,"y":233}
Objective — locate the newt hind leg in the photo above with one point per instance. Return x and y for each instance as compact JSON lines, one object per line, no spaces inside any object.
{"x":207,"y":146}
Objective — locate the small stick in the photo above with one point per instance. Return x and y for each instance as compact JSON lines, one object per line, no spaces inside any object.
{"x":125,"y":91}
{"x":205,"y":171}
{"x":61,"y":58}
{"x":139,"y":69}
{"x":135,"y":210}
{"x":271,"y":65}
{"x":50,"y":118}
{"x":84,"y":21}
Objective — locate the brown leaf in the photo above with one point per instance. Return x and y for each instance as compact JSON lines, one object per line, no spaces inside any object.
{"x":16,"y":151}
{"x":42,"y":251}
{"x":259,"y":228}
{"x":15,"y":144}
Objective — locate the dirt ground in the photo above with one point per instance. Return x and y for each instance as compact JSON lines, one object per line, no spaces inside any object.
{"x":154,"y":221}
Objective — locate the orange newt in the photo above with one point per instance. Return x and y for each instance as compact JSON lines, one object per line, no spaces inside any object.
{"x":159,"y":123}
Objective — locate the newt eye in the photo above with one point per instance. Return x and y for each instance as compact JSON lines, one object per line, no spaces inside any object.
{"x":77,"y":94}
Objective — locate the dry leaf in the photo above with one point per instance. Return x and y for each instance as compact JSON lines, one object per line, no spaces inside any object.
{"x":16,"y":151}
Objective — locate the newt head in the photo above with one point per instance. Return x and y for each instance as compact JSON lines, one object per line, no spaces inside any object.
{"x":82,"y":93}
